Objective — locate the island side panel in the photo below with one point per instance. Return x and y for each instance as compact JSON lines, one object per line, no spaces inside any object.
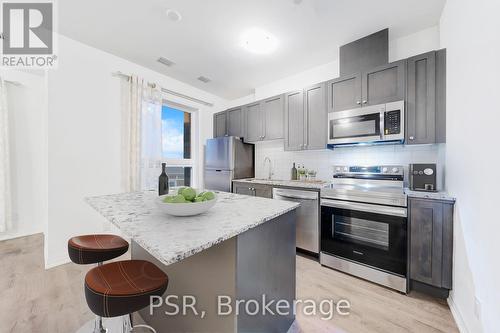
{"x":265,"y":265}
{"x":204,"y":275}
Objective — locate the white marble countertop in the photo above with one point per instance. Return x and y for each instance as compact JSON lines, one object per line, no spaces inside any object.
{"x":316,"y":184}
{"x":440,"y":195}
{"x":171,"y":239}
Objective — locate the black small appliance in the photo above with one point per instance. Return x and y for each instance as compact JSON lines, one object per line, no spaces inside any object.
{"x":423,"y":177}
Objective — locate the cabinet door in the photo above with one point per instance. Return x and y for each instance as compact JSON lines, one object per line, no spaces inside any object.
{"x":220,"y":126}
{"x":421,"y":99}
{"x":384,"y":84}
{"x":235,"y":122}
{"x":244,"y":189}
{"x":273,"y":110}
{"x":294,"y":120}
{"x":431,"y":237}
{"x":344,"y":93}
{"x":263,"y":191}
{"x":316,"y":117}
{"x":254,"y":122}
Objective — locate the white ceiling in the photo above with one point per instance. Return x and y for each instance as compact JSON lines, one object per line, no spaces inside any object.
{"x":206,"y":41}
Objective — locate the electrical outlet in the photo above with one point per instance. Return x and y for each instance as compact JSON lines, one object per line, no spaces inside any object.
{"x":477,"y":307}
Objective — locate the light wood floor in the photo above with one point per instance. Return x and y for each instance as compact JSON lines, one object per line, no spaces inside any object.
{"x":36,"y":300}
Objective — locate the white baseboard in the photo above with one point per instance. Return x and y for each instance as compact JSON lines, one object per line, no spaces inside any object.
{"x":49,"y":265}
{"x":457,"y":316}
{"x":15,"y":235}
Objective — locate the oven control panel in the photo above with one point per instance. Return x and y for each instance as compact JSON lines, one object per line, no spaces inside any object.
{"x":369,"y":170}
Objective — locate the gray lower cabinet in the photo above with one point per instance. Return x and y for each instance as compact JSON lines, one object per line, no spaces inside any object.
{"x":306,"y":118}
{"x":426,"y":98}
{"x":235,"y":122}
{"x":384,"y":84}
{"x":220,"y":124}
{"x":256,"y":190}
{"x":264,"y":120}
{"x":344,"y":93}
{"x":431,"y":245}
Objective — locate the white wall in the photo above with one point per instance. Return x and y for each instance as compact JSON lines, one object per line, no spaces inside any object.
{"x":27,"y":131}
{"x":84,"y":137}
{"x":470,"y":32}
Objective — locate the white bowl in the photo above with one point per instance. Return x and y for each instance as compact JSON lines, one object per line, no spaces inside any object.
{"x":185,"y":209}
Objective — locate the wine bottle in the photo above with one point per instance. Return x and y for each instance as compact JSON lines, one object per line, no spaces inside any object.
{"x":294,"y":172}
{"x":163,"y":180}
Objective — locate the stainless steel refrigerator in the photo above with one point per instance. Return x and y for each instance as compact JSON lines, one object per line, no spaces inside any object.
{"x":227,"y":158}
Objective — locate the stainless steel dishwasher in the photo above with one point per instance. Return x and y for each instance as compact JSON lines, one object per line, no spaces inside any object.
{"x":307,"y":216}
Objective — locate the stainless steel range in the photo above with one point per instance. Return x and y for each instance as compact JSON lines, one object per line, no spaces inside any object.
{"x":364,"y":224}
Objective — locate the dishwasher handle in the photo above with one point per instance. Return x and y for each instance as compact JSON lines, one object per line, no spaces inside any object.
{"x":294,"y":194}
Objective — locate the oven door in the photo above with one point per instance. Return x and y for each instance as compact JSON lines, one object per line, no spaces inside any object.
{"x":373,"y":235}
{"x":356,"y":126}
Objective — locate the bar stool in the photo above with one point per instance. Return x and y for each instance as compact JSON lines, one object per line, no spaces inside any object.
{"x":122,"y":288}
{"x":95,"y":249}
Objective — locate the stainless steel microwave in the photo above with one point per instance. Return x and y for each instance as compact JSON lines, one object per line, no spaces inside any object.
{"x":383,"y":123}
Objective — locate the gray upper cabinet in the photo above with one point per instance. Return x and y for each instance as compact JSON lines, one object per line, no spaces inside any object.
{"x":235,"y":123}
{"x":431,"y":242}
{"x":316,"y":117}
{"x":425,"y":98}
{"x":254,"y":122}
{"x":384,"y":84}
{"x":264,"y":120}
{"x":273,"y":110}
{"x":294,"y":120}
{"x":344,"y":93}
{"x":220,"y":124}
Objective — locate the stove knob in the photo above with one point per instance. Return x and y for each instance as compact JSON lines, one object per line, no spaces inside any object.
{"x":384,"y":170}
{"x":395,"y":170}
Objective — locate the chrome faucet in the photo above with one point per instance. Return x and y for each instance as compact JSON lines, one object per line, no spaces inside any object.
{"x":267,"y":159}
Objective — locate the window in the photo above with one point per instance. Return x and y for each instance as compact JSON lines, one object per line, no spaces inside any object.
{"x":177,"y":138}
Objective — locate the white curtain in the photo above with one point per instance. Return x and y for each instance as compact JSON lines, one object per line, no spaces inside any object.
{"x":141,"y":139}
{"x":5,"y":195}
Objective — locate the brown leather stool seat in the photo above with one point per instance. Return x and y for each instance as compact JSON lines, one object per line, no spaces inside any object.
{"x":123,"y":287}
{"x":92,"y":249}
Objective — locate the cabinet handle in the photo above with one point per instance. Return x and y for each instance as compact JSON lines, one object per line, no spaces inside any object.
{"x":364,"y":102}
{"x":412,"y":138}
{"x":358,"y":102}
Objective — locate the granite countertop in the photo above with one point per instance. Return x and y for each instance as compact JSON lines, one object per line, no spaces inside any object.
{"x":170,"y":239}
{"x":316,"y":184}
{"x":440,"y":195}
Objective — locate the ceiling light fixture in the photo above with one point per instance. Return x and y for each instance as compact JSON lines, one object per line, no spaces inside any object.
{"x":173,"y":15}
{"x":259,"y":41}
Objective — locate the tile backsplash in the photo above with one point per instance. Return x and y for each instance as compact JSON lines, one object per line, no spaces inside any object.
{"x":323,"y":160}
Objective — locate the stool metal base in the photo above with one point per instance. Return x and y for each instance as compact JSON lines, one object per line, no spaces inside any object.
{"x":114,"y":325}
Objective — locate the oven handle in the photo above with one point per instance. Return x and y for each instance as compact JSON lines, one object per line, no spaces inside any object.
{"x":386,"y":210}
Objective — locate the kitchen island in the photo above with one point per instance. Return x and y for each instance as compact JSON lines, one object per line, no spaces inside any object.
{"x":242,"y":249}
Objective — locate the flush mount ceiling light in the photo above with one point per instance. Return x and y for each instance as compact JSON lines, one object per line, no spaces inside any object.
{"x":259,"y":41}
{"x":173,"y":15}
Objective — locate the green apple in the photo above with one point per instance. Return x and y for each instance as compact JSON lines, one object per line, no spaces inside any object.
{"x":178,"y":199}
{"x":189,"y":193}
{"x":209,"y":195}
